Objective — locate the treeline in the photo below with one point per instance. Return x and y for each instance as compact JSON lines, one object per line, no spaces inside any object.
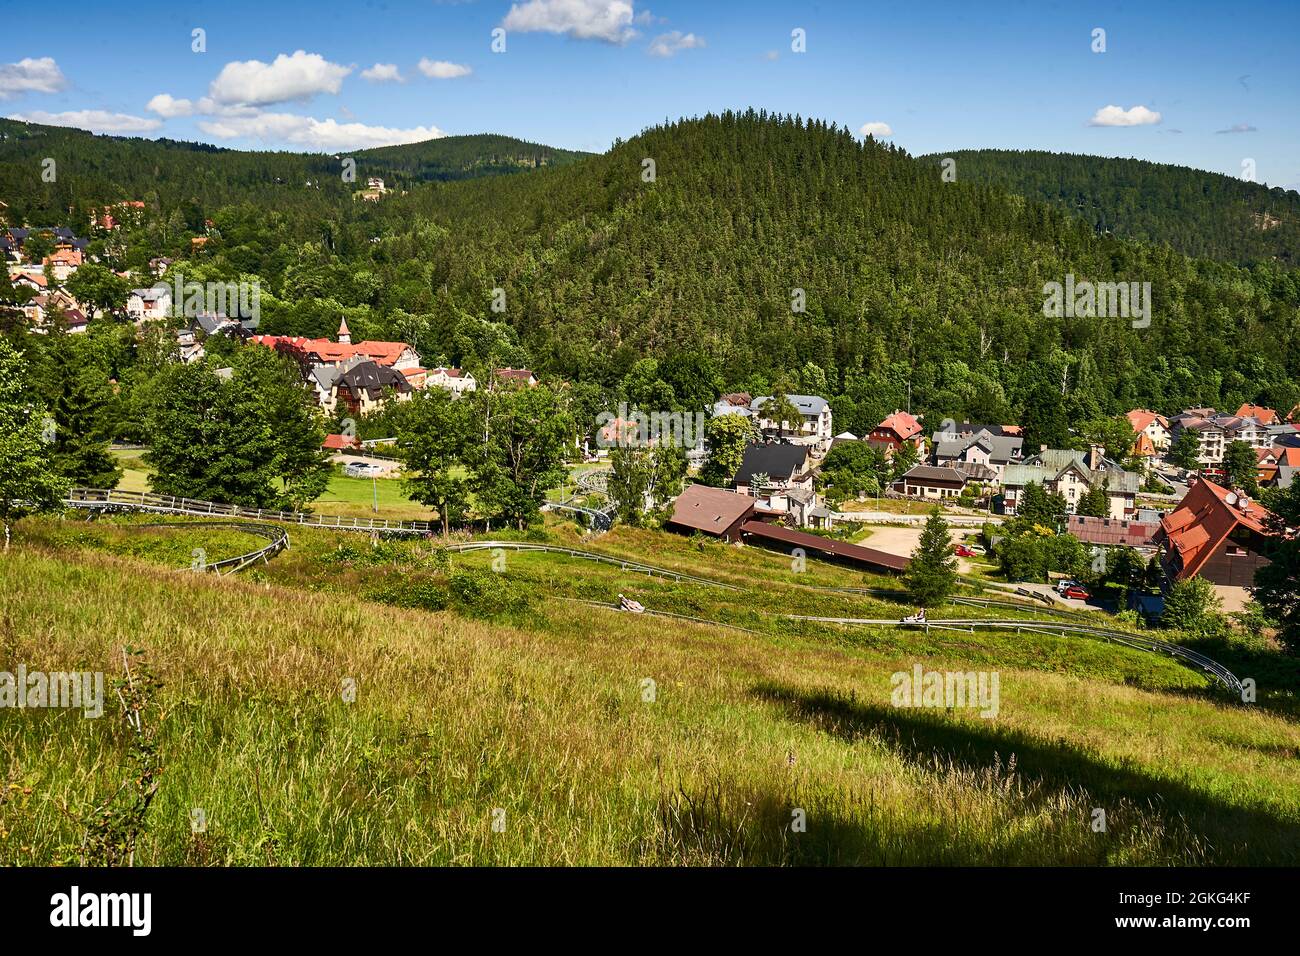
{"x":1229,"y":218}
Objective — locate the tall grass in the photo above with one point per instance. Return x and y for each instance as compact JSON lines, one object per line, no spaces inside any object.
{"x":540,"y":721}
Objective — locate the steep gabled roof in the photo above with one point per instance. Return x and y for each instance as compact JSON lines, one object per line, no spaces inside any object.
{"x":1205,"y":517}
{"x":1140,"y":418}
{"x":902,"y":424}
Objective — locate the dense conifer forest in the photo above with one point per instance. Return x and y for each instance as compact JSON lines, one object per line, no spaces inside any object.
{"x":677,"y":261}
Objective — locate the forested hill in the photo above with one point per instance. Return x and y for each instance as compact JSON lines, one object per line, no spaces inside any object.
{"x":674,"y":265}
{"x":91,"y":169}
{"x":909,"y":281}
{"x":1198,"y":213}
{"x":464,"y":157}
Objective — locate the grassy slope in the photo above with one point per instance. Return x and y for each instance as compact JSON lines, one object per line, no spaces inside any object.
{"x":543,"y":717}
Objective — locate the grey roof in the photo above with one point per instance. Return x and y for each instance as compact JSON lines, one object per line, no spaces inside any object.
{"x":923,"y":473}
{"x":777,"y":461}
{"x":723,"y":407}
{"x":372,"y":378}
{"x":812,"y":405}
{"x":1285,"y":475}
{"x":1001,"y":448}
{"x":1049,"y":465}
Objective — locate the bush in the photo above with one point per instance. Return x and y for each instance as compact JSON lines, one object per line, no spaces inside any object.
{"x":424,"y":594}
{"x":488,"y":594}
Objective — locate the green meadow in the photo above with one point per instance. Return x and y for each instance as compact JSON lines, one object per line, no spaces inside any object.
{"x":360,"y":701}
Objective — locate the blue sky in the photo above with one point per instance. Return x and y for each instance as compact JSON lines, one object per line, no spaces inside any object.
{"x":1198,"y":84}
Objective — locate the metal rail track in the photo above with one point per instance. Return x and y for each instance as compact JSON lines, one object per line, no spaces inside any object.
{"x":1136,"y":641}
{"x":105,"y":500}
{"x":108,"y":501}
{"x":278,"y":538}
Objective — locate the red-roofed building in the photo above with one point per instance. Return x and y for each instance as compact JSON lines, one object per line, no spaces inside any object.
{"x":516,"y":376}
{"x":896,"y":430}
{"x":1152,"y":424}
{"x":1215,"y":534}
{"x":339,"y":443}
{"x":1265,"y":416}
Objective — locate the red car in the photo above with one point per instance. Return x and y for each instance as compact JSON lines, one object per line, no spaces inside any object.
{"x":962,"y":551}
{"x":1077,"y":593}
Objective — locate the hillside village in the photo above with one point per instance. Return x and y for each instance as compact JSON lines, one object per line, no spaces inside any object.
{"x":1180,"y":491}
{"x":569,"y":455}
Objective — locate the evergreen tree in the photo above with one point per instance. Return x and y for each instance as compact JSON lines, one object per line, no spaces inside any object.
{"x":1044,"y":419}
{"x":1094,"y":503}
{"x":931,"y":575}
{"x":81,"y":408}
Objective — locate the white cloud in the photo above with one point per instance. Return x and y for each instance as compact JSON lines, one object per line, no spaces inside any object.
{"x":168,"y":107}
{"x":297,"y":77}
{"x":382,"y":73}
{"x":771,"y":56}
{"x":31,"y":76}
{"x":442,"y":70}
{"x":666,"y":44}
{"x":97,"y":121}
{"x":313,"y":133}
{"x":1114,"y":116}
{"x":1238,"y":128}
{"x":608,"y":20}
{"x":876,"y":129}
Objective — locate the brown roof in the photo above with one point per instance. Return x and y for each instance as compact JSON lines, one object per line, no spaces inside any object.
{"x":829,"y":546}
{"x":711,"y":510}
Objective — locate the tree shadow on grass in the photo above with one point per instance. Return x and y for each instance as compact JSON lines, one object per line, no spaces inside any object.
{"x":1232,"y":834}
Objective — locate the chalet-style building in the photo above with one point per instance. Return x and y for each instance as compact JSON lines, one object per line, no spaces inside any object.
{"x":1072,"y":474}
{"x":454,"y":380}
{"x":1215,"y":430}
{"x":63,"y":262}
{"x":366,"y":387}
{"x":151,"y":303}
{"x":1216,"y":534}
{"x":713,"y":511}
{"x":1151,"y":424}
{"x":931,"y":481}
{"x":981,"y":448}
{"x":1261,"y":414}
{"x":896,"y":430}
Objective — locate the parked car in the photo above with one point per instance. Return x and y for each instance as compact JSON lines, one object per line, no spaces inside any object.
{"x":1077,"y":593}
{"x":963,"y":551}
{"x":361,"y":469}
{"x":1065,"y":584}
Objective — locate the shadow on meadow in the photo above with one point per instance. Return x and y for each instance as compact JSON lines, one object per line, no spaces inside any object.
{"x":1190,"y":826}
